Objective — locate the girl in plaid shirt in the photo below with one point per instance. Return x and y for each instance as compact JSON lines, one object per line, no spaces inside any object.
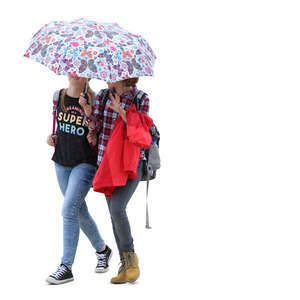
{"x":102,"y":119}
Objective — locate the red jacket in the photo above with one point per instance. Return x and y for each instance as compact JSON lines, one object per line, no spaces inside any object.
{"x":122,"y":153}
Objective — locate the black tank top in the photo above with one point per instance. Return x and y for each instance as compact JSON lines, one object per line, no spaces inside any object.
{"x":72,"y":146}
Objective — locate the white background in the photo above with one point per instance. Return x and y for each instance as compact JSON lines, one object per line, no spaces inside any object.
{"x":225,"y":205}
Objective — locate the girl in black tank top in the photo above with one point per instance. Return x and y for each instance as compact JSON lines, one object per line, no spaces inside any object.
{"x":75,"y":165}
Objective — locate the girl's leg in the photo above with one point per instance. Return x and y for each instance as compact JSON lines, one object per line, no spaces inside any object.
{"x":117,"y":208}
{"x":86,"y":222}
{"x":62,"y":174}
{"x":79,"y":184}
{"x":114,"y":230}
{"x":89,"y":227}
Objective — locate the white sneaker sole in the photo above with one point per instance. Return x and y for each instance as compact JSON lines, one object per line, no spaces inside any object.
{"x":104,"y":270}
{"x":54,"y":281}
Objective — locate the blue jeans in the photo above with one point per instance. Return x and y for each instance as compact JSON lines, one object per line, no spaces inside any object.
{"x":117,"y":208}
{"x":74,"y":183}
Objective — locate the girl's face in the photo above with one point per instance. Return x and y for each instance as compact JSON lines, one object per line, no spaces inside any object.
{"x":75,"y":80}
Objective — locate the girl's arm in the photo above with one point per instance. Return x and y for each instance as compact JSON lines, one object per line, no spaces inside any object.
{"x":52,"y":140}
{"x":93,"y":113}
{"x":116,"y":106}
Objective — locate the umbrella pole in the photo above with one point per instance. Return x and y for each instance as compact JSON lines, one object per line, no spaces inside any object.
{"x":86,"y":86}
{"x":86,"y":90}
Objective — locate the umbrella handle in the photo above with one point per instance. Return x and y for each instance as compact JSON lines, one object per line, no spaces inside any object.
{"x":86,"y":92}
{"x":87,"y":98}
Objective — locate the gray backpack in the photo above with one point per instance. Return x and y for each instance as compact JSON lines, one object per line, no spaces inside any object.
{"x":152,"y":162}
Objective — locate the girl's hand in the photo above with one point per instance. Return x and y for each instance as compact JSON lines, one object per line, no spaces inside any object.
{"x":116,"y":105}
{"x":52,"y":140}
{"x":86,"y":107}
{"x":92,"y":138}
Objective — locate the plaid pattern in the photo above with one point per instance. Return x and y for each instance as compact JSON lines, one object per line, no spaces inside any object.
{"x":105,"y":123}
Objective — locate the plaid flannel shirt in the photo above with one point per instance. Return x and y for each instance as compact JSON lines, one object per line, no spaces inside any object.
{"x":105,"y":123}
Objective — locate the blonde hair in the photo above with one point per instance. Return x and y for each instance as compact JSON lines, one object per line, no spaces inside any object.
{"x":64,"y":92}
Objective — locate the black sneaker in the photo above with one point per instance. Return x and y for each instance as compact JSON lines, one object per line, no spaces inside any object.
{"x":103,"y":258}
{"x":62,"y":275}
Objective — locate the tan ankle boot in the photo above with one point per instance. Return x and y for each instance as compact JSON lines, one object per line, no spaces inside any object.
{"x":121,"y":277}
{"x":132,"y":270}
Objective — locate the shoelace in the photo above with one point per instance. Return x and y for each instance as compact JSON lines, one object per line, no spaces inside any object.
{"x":60,"y":271}
{"x":122,"y":265}
{"x":129,"y":258}
{"x":101,"y":259}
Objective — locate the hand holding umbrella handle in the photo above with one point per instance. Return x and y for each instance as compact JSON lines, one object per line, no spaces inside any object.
{"x":86,"y":96}
{"x":85,"y":103}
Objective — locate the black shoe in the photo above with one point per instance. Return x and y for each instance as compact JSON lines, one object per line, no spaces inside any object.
{"x":103,"y":258}
{"x":62,"y":275}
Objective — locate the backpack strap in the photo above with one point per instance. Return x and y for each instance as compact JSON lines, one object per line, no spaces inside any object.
{"x":147,"y":190}
{"x":56,"y":97}
{"x":138,"y":98}
{"x":137,"y":101}
{"x":104,"y":94}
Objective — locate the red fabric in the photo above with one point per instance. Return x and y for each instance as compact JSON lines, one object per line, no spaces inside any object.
{"x":122,"y":153}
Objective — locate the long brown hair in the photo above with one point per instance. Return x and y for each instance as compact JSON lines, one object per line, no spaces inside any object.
{"x":130,"y":81}
{"x":63,"y":96}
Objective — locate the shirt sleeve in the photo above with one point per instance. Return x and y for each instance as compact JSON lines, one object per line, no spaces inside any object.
{"x":144,"y":105}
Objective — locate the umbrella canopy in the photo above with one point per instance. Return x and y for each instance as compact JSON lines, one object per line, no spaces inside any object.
{"x":92,"y":49}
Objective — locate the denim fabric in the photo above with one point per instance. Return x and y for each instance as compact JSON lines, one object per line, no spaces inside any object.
{"x":117,"y":207}
{"x":75,"y":183}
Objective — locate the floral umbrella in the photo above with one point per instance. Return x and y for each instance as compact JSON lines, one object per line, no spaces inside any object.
{"x":92,"y":49}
